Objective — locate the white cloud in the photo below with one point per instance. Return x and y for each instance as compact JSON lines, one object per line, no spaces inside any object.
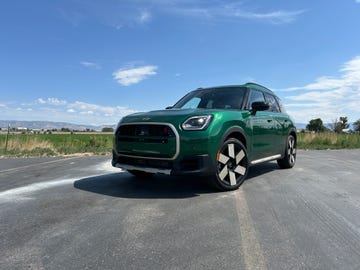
{"x":87,"y":112}
{"x":276,"y":17}
{"x":51,"y":101}
{"x":89,"y":108}
{"x":117,"y":14}
{"x":54,"y":109}
{"x":232,"y":10}
{"x":328,"y":97}
{"x":90,"y":65}
{"x":193,"y":12}
{"x":322,"y":83}
{"x":131,"y":76}
{"x":72,"y":16}
{"x":129,"y":13}
{"x":41,"y":101}
{"x":144,"y":17}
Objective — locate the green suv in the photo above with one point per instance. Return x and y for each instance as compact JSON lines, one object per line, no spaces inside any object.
{"x":217,"y":132}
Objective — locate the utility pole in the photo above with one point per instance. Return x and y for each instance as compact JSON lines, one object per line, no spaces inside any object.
{"x":7,"y":138}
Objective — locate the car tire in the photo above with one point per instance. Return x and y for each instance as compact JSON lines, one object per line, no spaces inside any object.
{"x":231,"y":165}
{"x":289,"y":159}
{"x":140,"y":174}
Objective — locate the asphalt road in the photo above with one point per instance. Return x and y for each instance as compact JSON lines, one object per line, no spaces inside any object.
{"x":79,"y":213}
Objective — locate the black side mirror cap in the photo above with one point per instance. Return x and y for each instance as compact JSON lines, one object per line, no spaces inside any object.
{"x":168,"y":107}
{"x":259,"y":106}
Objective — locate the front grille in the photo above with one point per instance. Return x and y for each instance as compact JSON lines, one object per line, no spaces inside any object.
{"x":140,"y":139}
{"x":147,"y":140}
{"x":145,"y":130}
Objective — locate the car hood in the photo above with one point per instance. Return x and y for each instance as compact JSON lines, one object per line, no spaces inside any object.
{"x":174,"y":116}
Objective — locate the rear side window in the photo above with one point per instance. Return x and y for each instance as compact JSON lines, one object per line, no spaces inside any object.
{"x":274,"y":106}
{"x":282,"y":108}
{"x":255,"y":96}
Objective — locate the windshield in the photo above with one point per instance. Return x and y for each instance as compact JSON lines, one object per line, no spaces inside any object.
{"x":214,"y":98}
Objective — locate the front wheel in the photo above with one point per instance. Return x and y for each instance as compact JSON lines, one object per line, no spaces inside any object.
{"x":289,"y":159}
{"x":231,"y":165}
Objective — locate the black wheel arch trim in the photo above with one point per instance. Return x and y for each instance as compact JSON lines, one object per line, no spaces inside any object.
{"x":231,"y":130}
{"x":292,"y":132}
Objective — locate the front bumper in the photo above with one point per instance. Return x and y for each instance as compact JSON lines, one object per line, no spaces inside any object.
{"x":200,"y":165}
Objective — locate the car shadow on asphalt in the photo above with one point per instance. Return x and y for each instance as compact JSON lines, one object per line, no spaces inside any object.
{"x":261,"y":169}
{"x":124,"y":185}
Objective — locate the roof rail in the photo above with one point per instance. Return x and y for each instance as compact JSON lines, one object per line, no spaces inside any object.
{"x":256,"y":84}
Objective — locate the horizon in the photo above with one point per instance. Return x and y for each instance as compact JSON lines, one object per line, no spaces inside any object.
{"x":299,"y":126}
{"x":93,"y":62}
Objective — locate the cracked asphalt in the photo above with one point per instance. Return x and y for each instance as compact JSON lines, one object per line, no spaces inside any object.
{"x":80,"y":213}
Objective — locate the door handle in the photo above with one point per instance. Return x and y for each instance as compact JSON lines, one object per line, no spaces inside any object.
{"x":269,"y":120}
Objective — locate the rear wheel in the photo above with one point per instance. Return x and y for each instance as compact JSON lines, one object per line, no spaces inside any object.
{"x":231,"y":165}
{"x":289,"y":159}
{"x":140,"y":174}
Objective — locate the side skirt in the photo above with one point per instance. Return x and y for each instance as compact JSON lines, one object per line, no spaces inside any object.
{"x":265,"y":159}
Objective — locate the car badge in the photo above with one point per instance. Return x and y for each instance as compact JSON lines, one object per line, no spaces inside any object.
{"x":146,"y":118}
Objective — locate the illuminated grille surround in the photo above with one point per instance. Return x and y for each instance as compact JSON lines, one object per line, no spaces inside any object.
{"x":141,"y":131}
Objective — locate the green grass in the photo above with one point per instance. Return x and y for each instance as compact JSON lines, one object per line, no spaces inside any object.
{"x":37,"y":145}
{"x":24,"y":145}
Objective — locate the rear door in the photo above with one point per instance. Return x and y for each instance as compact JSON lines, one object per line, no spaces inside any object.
{"x":281,"y":123}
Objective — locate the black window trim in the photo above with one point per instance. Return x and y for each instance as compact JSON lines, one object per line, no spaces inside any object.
{"x":276,"y":101}
{"x":247,"y":105}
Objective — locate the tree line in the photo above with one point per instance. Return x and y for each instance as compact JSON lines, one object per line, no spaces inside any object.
{"x":340,"y":125}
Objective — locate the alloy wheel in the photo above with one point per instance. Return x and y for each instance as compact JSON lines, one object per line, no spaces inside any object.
{"x":232,"y":164}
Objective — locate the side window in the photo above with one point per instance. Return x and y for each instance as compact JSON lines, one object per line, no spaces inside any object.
{"x":282,"y":109}
{"x":274,"y":106}
{"x":255,"y":96}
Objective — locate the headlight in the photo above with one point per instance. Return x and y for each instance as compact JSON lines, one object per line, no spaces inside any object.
{"x":200,"y":122}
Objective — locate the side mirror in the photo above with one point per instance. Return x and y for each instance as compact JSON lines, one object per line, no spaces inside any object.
{"x":168,"y":107}
{"x":259,"y":106}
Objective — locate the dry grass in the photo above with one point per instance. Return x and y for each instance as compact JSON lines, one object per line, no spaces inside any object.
{"x":328,"y":140}
{"x":30,"y":144}
{"x":329,"y":137}
{"x":38,"y":145}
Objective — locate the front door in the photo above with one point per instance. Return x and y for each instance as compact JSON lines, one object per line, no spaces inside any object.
{"x":263,"y":128}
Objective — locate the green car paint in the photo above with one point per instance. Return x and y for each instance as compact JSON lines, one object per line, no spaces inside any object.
{"x":218,"y":132}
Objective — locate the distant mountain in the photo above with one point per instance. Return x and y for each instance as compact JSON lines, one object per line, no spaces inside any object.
{"x":48,"y":125}
{"x":58,"y":125}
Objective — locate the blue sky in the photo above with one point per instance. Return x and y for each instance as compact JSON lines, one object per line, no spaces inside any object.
{"x":92,"y":61}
